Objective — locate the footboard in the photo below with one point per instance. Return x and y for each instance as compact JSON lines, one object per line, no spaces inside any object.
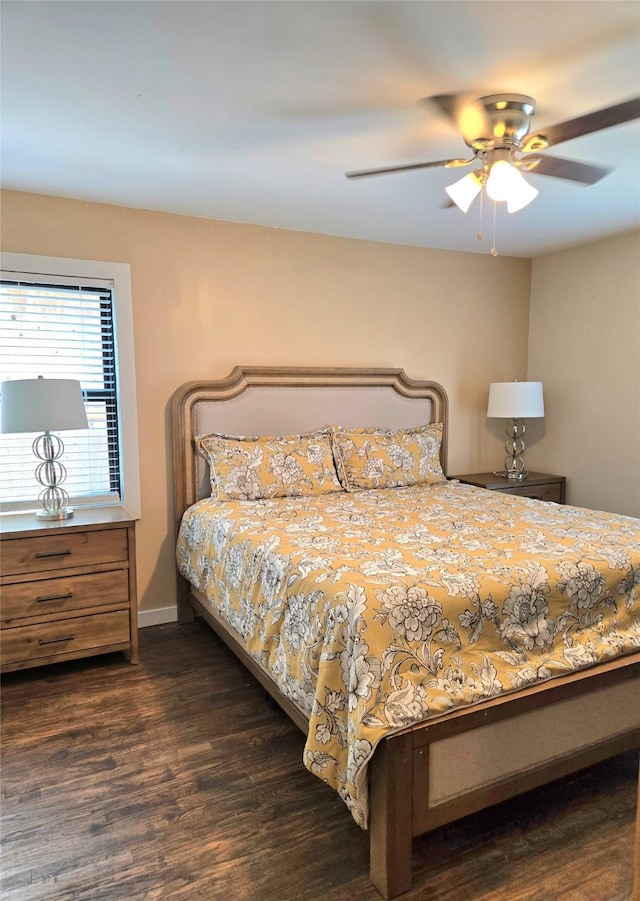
{"x":433,"y":774}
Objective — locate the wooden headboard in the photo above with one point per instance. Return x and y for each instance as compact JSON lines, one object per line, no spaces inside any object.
{"x":256,"y":400}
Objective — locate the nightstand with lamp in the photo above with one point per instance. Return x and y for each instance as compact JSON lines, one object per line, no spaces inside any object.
{"x":517,"y":401}
{"x":68,"y":581}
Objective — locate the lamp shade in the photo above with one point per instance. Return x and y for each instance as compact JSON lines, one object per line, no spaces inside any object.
{"x":42,"y":405}
{"x":464,"y":191}
{"x":502,"y":177}
{"x":521,"y":196}
{"x":505,"y":183}
{"x":515,"y":400}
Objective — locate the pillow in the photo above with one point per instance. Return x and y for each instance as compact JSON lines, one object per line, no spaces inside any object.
{"x":269,"y":466}
{"x":387,"y":458}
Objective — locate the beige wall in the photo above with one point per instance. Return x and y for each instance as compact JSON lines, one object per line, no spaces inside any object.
{"x":584,"y":344}
{"x":208,"y":295}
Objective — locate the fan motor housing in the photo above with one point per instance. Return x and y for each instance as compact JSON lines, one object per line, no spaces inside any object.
{"x":498,"y":120}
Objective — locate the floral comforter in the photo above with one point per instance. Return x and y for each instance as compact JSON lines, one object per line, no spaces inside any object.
{"x":378,"y":609}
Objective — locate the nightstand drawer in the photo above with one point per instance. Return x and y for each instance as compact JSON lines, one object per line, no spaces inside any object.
{"x":62,"y":551}
{"x":53,"y":596}
{"x":63,"y":638}
{"x":551,"y":492}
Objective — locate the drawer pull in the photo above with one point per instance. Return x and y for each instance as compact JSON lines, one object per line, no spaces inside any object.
{"x":55,"y":640}
{"x":56,"y":597}
{"x":53,"y":554}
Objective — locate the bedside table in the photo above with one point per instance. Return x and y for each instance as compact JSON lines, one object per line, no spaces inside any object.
{"x":537,"y":485}
{"x":68,"y":588}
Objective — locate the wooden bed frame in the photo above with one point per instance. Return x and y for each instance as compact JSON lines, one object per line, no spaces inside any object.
{"x":438,"y":771}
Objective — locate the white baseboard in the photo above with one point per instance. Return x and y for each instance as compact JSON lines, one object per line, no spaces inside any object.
{"x":157,"y":617}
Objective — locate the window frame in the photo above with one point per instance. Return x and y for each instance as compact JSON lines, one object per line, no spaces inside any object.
{"x":41,"y":267}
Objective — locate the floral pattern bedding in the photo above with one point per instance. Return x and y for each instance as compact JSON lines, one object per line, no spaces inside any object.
{"x":378,"y":609}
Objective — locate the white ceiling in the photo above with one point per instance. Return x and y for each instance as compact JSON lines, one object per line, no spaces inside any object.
{"x":253,"y":111}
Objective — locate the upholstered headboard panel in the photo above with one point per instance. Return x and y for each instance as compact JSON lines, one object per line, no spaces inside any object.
{"x":285,"y":401}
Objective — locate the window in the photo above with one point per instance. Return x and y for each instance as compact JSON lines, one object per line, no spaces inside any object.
{"x":57,"y":319}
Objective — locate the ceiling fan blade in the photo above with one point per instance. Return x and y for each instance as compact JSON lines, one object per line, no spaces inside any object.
{"x":446,"y":103}
{"x":465,"y":111}
{"x":447,"y":164}
{"x":557,"y":167}
{"x":583,"y":125}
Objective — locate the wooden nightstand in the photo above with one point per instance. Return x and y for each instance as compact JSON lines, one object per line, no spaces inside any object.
{"x":68,"y":588}
{"x":538,"y":485}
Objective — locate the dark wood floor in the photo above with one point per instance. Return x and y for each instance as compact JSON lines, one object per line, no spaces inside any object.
{"x":176,"y":780}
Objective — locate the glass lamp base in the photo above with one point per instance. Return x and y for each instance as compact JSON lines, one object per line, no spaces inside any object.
{"x":511,"y":474}
{"x":51,"y":473}
{"x":54,"y":517}
{"x":514,"y":446}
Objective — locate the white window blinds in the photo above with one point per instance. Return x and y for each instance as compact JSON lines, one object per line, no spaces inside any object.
{"x":56,"y":328}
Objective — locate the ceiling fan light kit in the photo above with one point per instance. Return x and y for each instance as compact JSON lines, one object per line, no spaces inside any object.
{"x":497,"y":128}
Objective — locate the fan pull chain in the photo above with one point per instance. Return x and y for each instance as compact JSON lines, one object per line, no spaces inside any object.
{"x":480,"y":235}
{"x":494,"y":252}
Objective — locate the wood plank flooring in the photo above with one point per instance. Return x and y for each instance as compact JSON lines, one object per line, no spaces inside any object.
{"x":175,"y":779}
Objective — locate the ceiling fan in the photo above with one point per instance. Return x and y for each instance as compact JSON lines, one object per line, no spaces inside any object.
{"x":497,"y":128}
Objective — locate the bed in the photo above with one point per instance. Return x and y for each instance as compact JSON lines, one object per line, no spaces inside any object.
{"x":444,"y":719}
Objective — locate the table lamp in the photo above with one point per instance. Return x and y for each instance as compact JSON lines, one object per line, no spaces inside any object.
{"x":45,"y":405}
{"x":516,"y":401}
